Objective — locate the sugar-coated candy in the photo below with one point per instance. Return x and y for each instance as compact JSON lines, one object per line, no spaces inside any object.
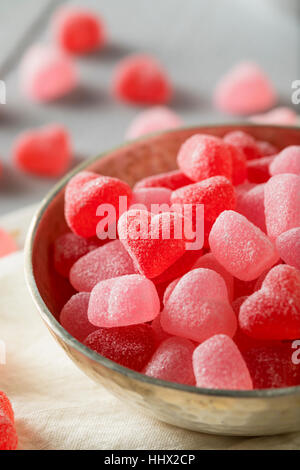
{"x":216,"y":194}
{"x":158,"y":118}
{"x":159,"y":334}
{"x":7,"y":243}
{"x":78,"y":30}
{"x":171,"y":180}
{"x":129,"y":346}
{"x":181,"y":266}
{"x":172,"y":361}
{"x":122,"y":301}
{"x":85,"y":193}
{"x":245,"y":89}
{"x":239,"y":168}
{"x":8,"y":434}
{"x":6,"y":408}
{"x":271,"y":365}
{"x":141,"y":79}
{"x":73,"y":316}
{"x":150,"y":198}
{"x":68,"y":248}
{"x":258,"y":169}
{"x":273,"y":312}
{"x":266,"y":148}
{"x":282,"y":204}
{"x":251,"y":205}
{"x":169,"y":289}
{"x":106,"y":262}
{"x":241,"y":247}
{"x":288,"y":247}
{"x":281,"y":115}
{"x":208,"y":261}
{"x":47,"y":73}
{"x":202,"y":156}
{"x":219,"y":364}
{"x":287,"y":161}
{"x":151,"y":240}
{"x":43,"y":152}
{"x":198,"y":307}
{"x":244,"y":142}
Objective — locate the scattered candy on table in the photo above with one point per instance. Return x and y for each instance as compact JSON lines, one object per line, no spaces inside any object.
{"x":47,"y":73}
{"x":140,"y":79}
{"x":43,"y":152}
{"x":245,"y":89}
{"x":78,"y":30}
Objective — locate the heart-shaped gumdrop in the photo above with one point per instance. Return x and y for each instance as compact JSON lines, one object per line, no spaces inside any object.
{"x":273,"y":312}
{"x":153,"y":242}
{"x":85,"y":193}
{"x":43,"y":152}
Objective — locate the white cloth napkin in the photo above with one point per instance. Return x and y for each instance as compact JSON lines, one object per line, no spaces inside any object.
{"x":57,"y":406}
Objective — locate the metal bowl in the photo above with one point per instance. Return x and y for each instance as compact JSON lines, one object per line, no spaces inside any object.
{"x":227,"y":412}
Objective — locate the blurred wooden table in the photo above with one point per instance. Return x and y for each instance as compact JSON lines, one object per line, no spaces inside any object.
{"x":196,"y":40}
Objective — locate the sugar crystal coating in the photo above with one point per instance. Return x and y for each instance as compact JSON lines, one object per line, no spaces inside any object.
{"x":198,"y":307}
{"x":141,"y":79}
{"x":219,"y":364}
{"x":8,"y":434}
{"x":216,"y":194}
{"x":288,"y":247}
{"x":287,"y":161}
{"x":106,"y":262}
{"x":208,"y":261}
{"x":202,"y":156}
{"x":122,"y":301}
{"x":244,"y":142}
{"x":152,"y":241}
{"x":85,"y":193}
{"x":159,"y":334}
{"x":129,"y":346}
{"x":273,"y":312}
{"x":6,"y":407}
{"x":151,"y":198}
{"x":244,"y":89}
{"x":68,"y":248}
{"x":241,"y":247}
{"x":282,"y":204}
{"x":78,"y":30}
{"x":43,"y":152}
{"x":47,"y":73}
{"x":239,"y":168}
{"x":171,"y":180}
{"x":172,"y":361}
{"x":251,"y":205}
{"x":73,"y":316}
{"x":158,"y":118}
{"x":271,"y":365}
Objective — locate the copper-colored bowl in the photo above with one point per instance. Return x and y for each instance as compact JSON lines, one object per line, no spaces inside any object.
{"x":244,"y":413}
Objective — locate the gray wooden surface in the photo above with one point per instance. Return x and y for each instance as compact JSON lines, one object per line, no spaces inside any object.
{"x":196,"y":40}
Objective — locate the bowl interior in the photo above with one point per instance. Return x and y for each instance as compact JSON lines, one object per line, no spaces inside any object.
{"x":130,"y":162}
